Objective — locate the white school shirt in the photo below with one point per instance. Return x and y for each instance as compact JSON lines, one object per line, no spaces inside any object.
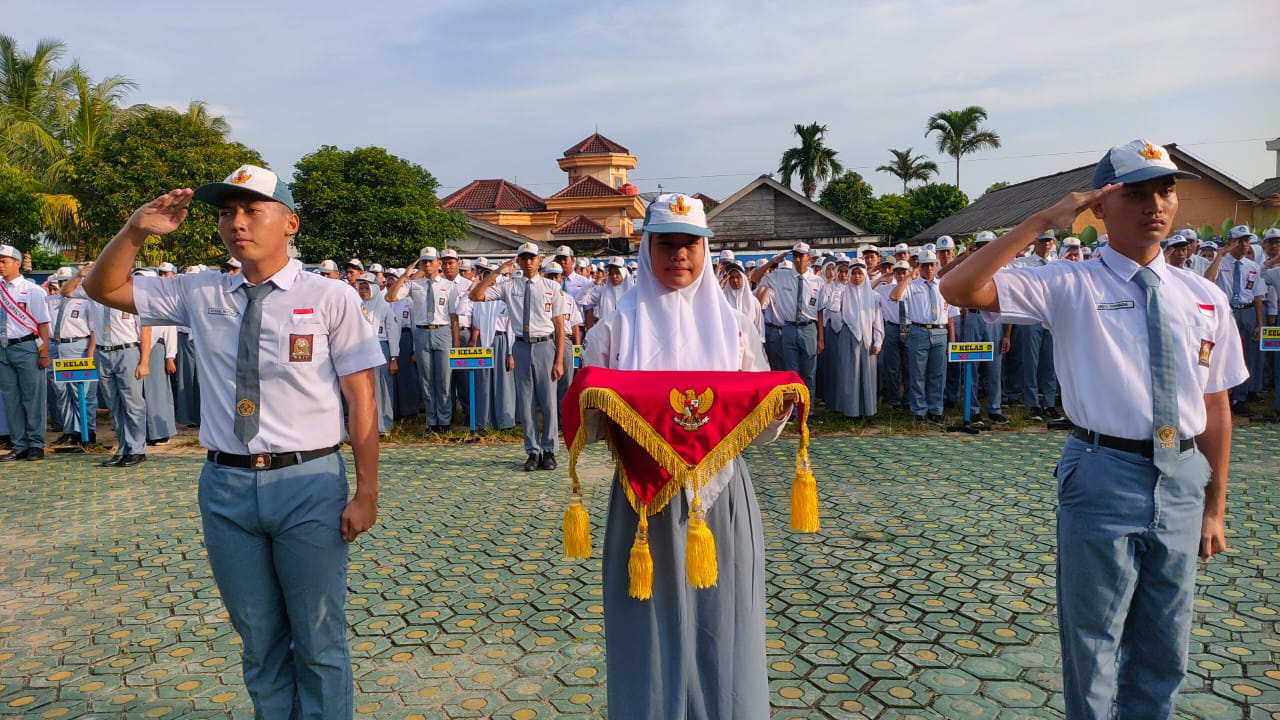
{"x":75,"y":318}
{"x":404,"y":311}
{"x":1251,"y":284}
{"x":1272,"y":302}
{"x":919,"y":304}
{"x":577,"y":286}
{"x":889,"y":308}
{"x":1098,"y":317}
{"x":168,"y":336}
{"x":459,"y":303}
{"x":549,"y":302}
{"x":782,"y":283}
{"x":1197,"y":264}
{"x":119,"y":328}
{"x":313,"y":333}
{"x":384,"y":319}
{"x":432,"y":310}
{"x":27,"y":295}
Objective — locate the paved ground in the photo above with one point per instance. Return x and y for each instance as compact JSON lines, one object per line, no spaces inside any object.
{"x":929,"y":592}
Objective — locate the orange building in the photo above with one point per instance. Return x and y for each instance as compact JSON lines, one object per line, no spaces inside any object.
{"x":597,"y":204}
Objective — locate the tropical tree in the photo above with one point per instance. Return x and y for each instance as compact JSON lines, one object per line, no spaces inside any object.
{"x":906,"y":168}
{"x":960,"y":133}
{"x":198,"y":110}
{"x":812,"y":160}
{"x":999,"y":185}
{"x":32,"y":92}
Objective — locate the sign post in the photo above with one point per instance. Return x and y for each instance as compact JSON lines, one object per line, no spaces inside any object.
{"x":471,"y":359}
{"x":80,"y":371}
{"x":577,"y":356}
{"x":969,"y":353}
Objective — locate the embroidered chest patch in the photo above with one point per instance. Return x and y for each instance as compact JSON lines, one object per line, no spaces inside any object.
{"x":300,"y":347}
{"x":1206,"y":348}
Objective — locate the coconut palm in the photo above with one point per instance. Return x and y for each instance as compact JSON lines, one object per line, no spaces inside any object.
{"x":907,"y":168}
{"x":32,"y":91}
{"x":198,"y":110}
{"x":960,"y":133}
{"x":813,"y":161}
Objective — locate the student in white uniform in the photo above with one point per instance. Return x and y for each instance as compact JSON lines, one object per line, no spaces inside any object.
{"x":932,"y":321}
{"x":280,"y":349}
{"x":794,"y":295}
{"x":895,"y":370}
{"x":386,"y":325}
{"x":70,"y":337}
{"x":573,"y":333}
{"x":536,"y":308}
{"x":1240,"y":278}
{"x":157,"y":389}
{"x":24,"y":357}
{"x":1149,"y":353}
{"x":432,"y":335}
{"x":408,"y":386}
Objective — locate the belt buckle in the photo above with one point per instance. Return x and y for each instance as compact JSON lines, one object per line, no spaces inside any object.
{"x":260,"y":461}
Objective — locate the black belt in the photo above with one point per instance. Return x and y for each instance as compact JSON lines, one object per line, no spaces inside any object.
{"x":268,"y":461}
{"x":773,"y":326}
{"x":71,"y":340}
{"x":430,"y":327}
{"x":531,"y":341}
{"x":1241,"y":307}
{"x":890,"y":322}
{"x":15,"y":341}
{"x":113,"y":348}
{"x":802,"y":323}
{"x":1145,"y":448}
{"x":927,"y":326}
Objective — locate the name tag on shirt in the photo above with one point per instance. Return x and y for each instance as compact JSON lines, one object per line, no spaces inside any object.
{"x":226,"y":312}
{"x":1120,"y":305}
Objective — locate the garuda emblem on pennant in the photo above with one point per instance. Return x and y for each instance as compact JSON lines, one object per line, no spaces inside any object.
{"x":691,"y":409}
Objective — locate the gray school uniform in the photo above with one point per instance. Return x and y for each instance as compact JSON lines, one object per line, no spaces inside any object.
{"x":22,"y":382}
{"x":157,"y":392}
{"x":69,"y":338}
{"x":118,"y":356}
{"x":432,"y":339}
{"x":186,"y":381}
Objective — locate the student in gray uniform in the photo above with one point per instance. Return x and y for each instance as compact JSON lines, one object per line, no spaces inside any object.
{"x":860,"y":340}
{"x":69,"y":337}
{"x":932,"y":327}
{"x":386,"y":325}
{"x":986,"y":376}
{"x":537,"y":310}
{"x":24,"y":357}
{"x":280,"y":349}
{"x":573,"y":332}
{"x":157,"y":388}
{"x":895,"y":371}
{"x":432,"y":335}
{"x":186,"y":381}
{"x":795,"y":298}
{"x":1239,"y":278}
{"x":1034,"y":343}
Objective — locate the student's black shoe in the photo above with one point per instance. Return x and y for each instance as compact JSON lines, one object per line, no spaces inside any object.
{"x":14,"y":455}
{"x":112,"y":461}
{"x":917,"y":419}
{"x":533,"y":462}
{"x":6,"y":443}
{"x":936,"y":419}
{"x":1241,"y":410}
{"x":131,"y":460}
{"x":1052,"y":414}
{"x":548,"y":461}
{"x":66,"y":439}
{"x":998,"y":419}
{"x":35,"y":454}
{"x":159,"y":441}
{"x":1035,"y":414}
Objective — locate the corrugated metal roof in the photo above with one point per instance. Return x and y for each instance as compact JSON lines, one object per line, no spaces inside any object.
{"x":1010,"y":205}
{"x":1267,"y":188}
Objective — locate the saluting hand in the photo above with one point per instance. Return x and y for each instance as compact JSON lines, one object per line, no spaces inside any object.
{"x":162,"y":215}
{"x":1065,"y":211}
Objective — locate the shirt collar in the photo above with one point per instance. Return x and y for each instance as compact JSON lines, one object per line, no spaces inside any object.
{"x":1125,"y":268}
{"x":283,"y":279}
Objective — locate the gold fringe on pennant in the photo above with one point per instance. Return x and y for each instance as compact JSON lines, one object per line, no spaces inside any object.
{"x":576,"y":527}
{"x":640,"y":565}
{"x":700,"y":548}
{"x":804,"y":489}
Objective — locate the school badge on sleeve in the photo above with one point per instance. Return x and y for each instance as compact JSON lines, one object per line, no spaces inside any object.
{"x":300,"y":348}
{"x":1206,"y":347}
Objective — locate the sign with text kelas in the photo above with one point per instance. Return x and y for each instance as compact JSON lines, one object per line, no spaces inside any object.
{"x":470,"y":358}
{"x":1270,"y":339}
{"x":970,"y":352}
{"x":74,"y":370}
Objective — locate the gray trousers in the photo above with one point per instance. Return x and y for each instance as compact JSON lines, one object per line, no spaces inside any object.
{"x":122,"y":396}
{"x":23,"y":384}
{"x":432,"y":350}
{"x":893,"y":363}
{"x":927,"y":351}
{"x":1039,"y":383}
{"x":67,"y":396}
{"x":186,"y":383}
{"x":562,"y":386}
{"x":504,"y":385}
{"x":773,"y":346}
{"x":407,"y":383}
{"x":382,"y":389}
{"x":1246,"y":321}
{"x":157,"y":394}
{"x":536,"y":392}
{"x":460,"y":385}
{"x":985,"y":374}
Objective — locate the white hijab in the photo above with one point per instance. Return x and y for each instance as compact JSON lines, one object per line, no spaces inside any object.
{"x":858,"y":306}
{"x":832,"y":302}
{"x":745,"y":302}
{"x":694,"y":328}
{"x":484,"y":318}
{"x":608,"y":294}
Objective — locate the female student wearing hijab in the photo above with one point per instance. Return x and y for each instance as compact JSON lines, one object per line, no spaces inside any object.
{"x":831,"y":362}
{"x":738,"y":291}
{"x":601,"y":299}
{"x":684,"y":653}
{"x":859,"y":343}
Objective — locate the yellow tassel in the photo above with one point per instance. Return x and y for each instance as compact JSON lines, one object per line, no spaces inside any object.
{"x":700,"y":549}
{"x":804,"y":501}
{"x":577,"y":529}
{"x":640,"y":566}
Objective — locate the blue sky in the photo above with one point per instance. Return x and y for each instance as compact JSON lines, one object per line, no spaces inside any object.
{"x":704,"y":93}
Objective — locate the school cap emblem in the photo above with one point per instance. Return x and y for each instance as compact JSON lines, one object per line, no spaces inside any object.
{"x":679,"y":207}
{"x":691,"y":408}
{"x":1150,"y":152}
{"x":245,"y":408}
{"x":241,"y":177}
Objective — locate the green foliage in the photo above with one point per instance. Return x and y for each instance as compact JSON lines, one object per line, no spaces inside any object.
{"x":888,"y":216}
{"x":42,"y":259}
{"x":848,"y":196}
{"x":369,"y":204}
{"x":931,"y":203}
{"x":995,"y":186}
{"x":19,"y":209}
{"x":907,"y":167}
{"x":960,"y":133}
{"x":1205,"y":231}
{"x":813,"y":160}
{"x":149,"y":154}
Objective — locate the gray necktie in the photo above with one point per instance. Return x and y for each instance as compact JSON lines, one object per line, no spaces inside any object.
{"x":106,"y":322}
{"x":1164,"y":388}
{"x":431,"y":301}
{"x":933,"y":302}
{"x":902,"y":312}
{"x":62,"y":313}
{"x":528,"y":304}
{"x":799,"y":297}
{"x":248,"y":394}
{"x":1235,"y":284}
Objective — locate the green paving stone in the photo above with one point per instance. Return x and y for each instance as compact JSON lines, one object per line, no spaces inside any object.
{"x":966,"y":707}
{"x":1015,"y":694}
{"x":950,"y":682}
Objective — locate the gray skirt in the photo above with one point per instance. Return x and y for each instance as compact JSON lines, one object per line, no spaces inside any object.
{"x":685,"y":653}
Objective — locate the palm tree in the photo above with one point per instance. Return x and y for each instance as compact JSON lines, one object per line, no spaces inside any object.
{"x":814,"y":161}
{"x":32,"y":92}
{"x":960,"y":133}
{"x":907,"y":168}
{"x":198,"y":110}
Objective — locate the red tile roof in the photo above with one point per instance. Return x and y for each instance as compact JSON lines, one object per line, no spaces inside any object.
{"x":580,"y":225}
{"x":594,"y":145}
{"x":493,"y":195}
{"x":587,"y":186}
